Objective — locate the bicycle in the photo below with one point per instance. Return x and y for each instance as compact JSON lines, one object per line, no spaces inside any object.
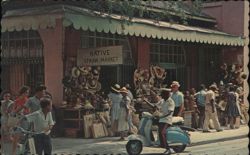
{"x":26,"y":145}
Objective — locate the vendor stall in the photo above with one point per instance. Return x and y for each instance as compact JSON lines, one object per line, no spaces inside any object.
{"x":85,"y":111}
{"x":147,"y":84}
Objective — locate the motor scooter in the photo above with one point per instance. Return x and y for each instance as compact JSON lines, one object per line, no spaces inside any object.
{"x":177,"y":135}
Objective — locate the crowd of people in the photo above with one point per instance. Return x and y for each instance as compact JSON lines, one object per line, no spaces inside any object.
{"x":30,"y":113}
{"x":211,"y":107}
{"x":229,"y":107}
{"x":219,"y":104}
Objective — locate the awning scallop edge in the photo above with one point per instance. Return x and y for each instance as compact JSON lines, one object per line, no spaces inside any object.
{"x":95,"y":23}
{"x":27,"y":23}
{"x":138,"y":27}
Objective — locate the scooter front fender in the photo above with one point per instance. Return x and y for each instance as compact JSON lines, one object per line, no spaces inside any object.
{"x":140,"y":138}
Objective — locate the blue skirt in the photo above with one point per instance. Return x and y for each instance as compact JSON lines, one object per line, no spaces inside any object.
{"x":233,"y":110}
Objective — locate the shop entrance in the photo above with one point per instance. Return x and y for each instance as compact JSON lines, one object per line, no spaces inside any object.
{"x":120,"y":74}
{"x":108,"y":77}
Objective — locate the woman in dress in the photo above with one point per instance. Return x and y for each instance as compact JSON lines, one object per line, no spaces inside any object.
{"x":6,"y":105}
{"x":232,"y":108}
{"x":123,"y":126}
{"x":115,"y":98}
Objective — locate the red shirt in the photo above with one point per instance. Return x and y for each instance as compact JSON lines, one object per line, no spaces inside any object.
{"x":19,"y":102}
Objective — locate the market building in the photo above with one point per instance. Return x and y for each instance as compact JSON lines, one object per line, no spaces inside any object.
{"x":233,"y":25}
{"x":41,"y":41}
{"x":40,"y":44}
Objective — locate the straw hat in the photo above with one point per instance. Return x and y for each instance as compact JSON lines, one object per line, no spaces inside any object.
{"x":88,"y":105}
{"x":124,"y":90}
{"x":75,"y":72}
{"x":116,"y":88}
{"x":93,"y":86}
{"x":175,"y":83}
{"x":213,"y":86}
{"x":84,"y":70}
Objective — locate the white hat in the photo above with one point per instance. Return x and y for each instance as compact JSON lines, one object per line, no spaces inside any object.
{"x":175,"y":83}
{"x":116,"y":88}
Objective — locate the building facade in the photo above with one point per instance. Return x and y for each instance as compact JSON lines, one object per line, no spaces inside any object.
{"x":41,"y":43}
{"x":233,"y":17}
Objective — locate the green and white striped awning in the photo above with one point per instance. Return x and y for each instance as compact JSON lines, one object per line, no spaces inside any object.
{"x":84,"y":19}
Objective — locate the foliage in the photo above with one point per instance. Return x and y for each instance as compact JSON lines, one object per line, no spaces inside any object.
{"x":172,"y":11}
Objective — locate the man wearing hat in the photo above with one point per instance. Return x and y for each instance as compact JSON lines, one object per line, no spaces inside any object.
{"x":115,"y":98}
{"x":210,"y":109}
{"x":166,"y":108}
{"x":178,"y":98}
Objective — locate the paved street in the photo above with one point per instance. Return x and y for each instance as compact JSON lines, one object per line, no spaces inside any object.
{"x":207,"y":143}
{"x":231,"y":147}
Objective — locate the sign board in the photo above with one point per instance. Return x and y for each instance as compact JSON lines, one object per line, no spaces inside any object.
{"x":110,"y":55}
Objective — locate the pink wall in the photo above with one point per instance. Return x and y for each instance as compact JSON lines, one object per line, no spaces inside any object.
{"x":228,"y":14}
{"x":233,"y":55}
{"x":53,"y":40}
{"x":143,"y":47}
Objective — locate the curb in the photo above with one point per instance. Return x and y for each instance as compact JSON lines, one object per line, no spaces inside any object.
{"x":217,"y":140}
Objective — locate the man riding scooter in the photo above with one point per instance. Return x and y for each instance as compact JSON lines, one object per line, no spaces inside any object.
{"x":172,"y":134}
{"x":163,"y":114}
{"x":166,"y":108}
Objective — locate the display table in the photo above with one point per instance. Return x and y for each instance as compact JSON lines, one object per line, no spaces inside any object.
{"x":72,"y":121}
{"x":83,"y":123}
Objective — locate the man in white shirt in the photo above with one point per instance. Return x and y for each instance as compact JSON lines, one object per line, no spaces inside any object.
{"x":43,"y":123}
{"x":166,"y":109}
{"x":178,"y":98}
{"x":210,"y":109}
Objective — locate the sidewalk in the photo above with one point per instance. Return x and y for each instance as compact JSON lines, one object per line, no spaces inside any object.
{"x":200,"y":138}
{"x":108,"y":145}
